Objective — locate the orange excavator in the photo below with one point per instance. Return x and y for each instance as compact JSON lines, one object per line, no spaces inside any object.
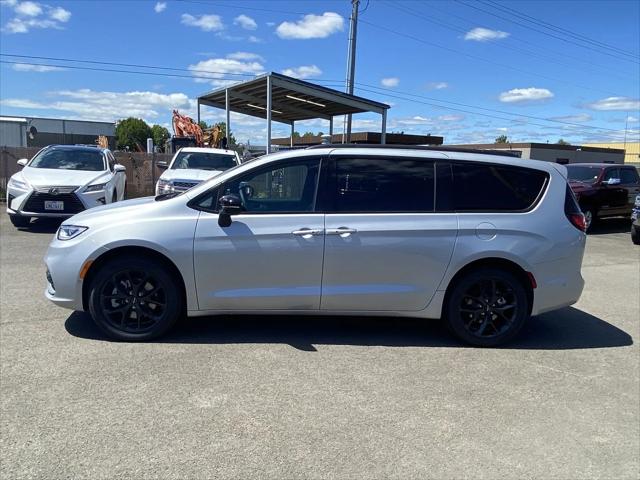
{"x":187,"y":133}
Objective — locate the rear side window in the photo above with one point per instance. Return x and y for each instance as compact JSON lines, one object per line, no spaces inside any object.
{"x":501,"y":188}
{"x":628,"y":176}
{"x":383,"y":185}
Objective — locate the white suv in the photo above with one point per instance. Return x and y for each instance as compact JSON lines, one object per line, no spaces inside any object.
{"x":193,"y":165}
{"x":483,"y":240}
{"x":62,"y":180}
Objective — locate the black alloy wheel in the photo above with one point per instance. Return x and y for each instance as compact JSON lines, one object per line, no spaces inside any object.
{"x":487,"y":307}
{"x":134,"y":299}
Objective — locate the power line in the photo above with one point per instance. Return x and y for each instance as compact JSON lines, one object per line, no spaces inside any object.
{"x":545,"y":33}
{"x":561,"y":30}
{"x":475,"y":57}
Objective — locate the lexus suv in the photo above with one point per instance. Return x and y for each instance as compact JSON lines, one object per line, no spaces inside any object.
{"x":604,"y":190}
{"x":191,"y":166}
{"x":482,"y":240}
{"x":62,"y":180}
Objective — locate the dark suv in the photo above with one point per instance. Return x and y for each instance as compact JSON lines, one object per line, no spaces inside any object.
{"x":604,"y":190}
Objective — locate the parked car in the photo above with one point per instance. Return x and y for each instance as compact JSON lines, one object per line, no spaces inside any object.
{"x":62,"y":180}
{"x":635,"y":218}
{"x":604,"y":190}
{"x":191,"y":166}
{"x":482,"y":240}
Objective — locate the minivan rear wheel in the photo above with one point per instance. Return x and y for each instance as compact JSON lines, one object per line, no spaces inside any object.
{"x":134,"y":299}
{"x":487,"y":307}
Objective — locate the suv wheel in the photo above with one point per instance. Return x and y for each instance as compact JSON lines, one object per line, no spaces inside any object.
{"x":635,"y":235}
{"x":487,"y":307}
{"x":19,"y":221}
{"x":134,"y":299}
{"x":589,"y":218}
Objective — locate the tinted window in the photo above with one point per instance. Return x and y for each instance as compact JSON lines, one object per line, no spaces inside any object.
{"x":486,"y":187}
{"x":291,"y":187}
{"x":69,"y":159}
{"x":383,"y":185}
{"x":204,"y":161}
{"x":628,"y":175}
{"x":584,"y":174}
{"x":611,"y":173}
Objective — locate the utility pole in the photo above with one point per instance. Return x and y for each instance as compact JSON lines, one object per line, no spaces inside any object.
{"x":351,"y":61}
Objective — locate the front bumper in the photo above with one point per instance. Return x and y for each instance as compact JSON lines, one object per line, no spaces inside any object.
{"x":31,"y":203}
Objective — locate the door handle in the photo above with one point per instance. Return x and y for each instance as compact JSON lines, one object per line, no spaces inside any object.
{"x":342,"y":231}
{"x":308,"y":232}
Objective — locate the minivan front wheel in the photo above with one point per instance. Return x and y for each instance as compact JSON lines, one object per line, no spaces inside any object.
{"x":487,"y":307}
{"x":134,"y":299}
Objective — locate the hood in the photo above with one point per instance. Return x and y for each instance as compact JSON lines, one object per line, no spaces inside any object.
{"x":42,"y":177}
{"x":189,"y":174}
{"x":126,"y":207}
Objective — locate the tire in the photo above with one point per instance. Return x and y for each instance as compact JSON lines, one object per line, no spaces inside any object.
{"x":635,"y":235}
{"x":477,"y":309}
{"x":135,"y":299}
{"x":19,"y":221}
{"x":589,"y":218}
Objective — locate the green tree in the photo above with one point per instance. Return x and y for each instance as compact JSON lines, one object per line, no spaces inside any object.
{"x":203,"y":125}
{"x":502,"y":139}
{"x":296,"y":134}
{"x":132,"y":133}
{"x":562,"y":142}
{"x":160,"y":135}
{"x":308,"y":134}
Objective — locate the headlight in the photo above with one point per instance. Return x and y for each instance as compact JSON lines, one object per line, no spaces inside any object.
{"x":95,"y":188}
{"x":67,"y":232}
{"x":13,"y":183}
{"x":164,"y":186}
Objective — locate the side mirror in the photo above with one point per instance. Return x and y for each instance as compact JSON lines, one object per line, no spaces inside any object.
{"x":22,"y":162}
{"x":229,"y":205}
{"x":119,"y":168}
{"x":613,"y":181}
{"x":162,"y":165}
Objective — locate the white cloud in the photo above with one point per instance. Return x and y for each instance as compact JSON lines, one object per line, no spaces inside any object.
{"x":31,"y":15}
{"x":220,"y":68}
{"x":303,"y":71}
{"x":480,"y":34}
{"x":28,"y":9}
{"x":311,"y":26}
{"x":160,"y":7}
{"x":26,"y":67}
{"x":107,"y":106}
{"x":632,"y":119}
{"x":615,"y":103}
{"x":60,"y":14}
{"x":245,"y":22}
{"x":8,"y":3}
{"x":580,"y":117}
{"x":519,"y":95}
{"x":254,"y":39}
{"x":207,"y":23}
{"x":451,"y":118}
{"x":390,"y":82}
{"x":245,"y":56}
{"x":437,"y":85}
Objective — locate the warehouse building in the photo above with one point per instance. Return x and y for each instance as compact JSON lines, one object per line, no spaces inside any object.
{"x":552,"y":152}
{"x":39,"y":132}
{"x":632,"y":149}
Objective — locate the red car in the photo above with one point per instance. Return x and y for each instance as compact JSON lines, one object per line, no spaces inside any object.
{"x":604,"y":190}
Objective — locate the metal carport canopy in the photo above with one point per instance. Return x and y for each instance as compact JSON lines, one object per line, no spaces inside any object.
{"x":274,"y":96}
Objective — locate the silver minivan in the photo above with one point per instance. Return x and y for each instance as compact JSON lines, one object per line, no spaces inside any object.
{"x":481,"y":240}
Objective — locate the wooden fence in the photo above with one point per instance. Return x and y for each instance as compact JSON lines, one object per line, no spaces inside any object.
{"x":142,"y":170}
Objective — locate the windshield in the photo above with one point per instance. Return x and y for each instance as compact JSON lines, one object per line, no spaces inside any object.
{"x":583,"y":174}
{"x":204,"y":161}
{"x":69,"y":159}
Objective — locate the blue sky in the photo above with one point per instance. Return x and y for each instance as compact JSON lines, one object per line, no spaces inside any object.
{"x":467,"y":70}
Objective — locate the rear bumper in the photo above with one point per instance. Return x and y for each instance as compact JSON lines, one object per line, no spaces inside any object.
{"x":560,"y":284}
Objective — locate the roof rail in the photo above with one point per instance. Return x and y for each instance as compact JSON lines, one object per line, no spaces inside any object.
{"x":446,"y":148}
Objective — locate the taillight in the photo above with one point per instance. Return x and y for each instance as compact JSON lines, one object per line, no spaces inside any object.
{"x":578,"y":221}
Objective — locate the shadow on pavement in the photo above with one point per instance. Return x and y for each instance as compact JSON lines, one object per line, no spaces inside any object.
{"x":568,"y":328}
{"x":611,"y":225}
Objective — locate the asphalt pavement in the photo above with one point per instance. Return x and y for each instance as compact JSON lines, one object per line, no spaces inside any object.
{"x":282,"y":398}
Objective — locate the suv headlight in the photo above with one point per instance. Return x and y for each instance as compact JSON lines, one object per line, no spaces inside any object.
{"x":18,"y":184}
{"x":164,"y":186}
{"x":95,"y":188}
{"x":67,"y":232}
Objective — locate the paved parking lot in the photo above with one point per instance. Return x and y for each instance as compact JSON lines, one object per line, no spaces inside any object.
{"x":321,"y":398}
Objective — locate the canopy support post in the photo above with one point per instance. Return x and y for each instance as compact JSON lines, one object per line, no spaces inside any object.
{"x":269,"y":114}
{"x":383,"y":136}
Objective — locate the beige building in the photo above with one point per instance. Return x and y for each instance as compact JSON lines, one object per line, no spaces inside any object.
{"x":632,"y":149}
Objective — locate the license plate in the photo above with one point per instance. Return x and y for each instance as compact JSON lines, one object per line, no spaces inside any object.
{"x":50,"y":205}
